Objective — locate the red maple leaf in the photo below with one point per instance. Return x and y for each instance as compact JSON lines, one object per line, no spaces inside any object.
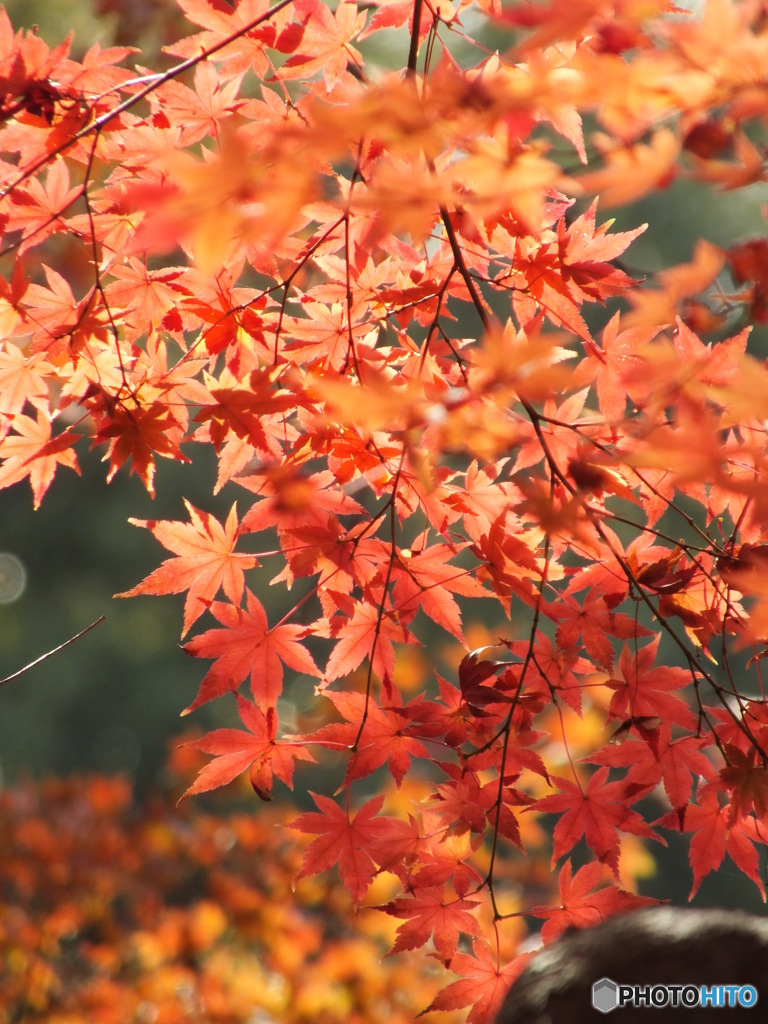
{"x":425,"y":581}
{"x":243,"y":410}
{"x":388,"y":734}
{"x":581,"y":906}
{"x":714,"y":836}
{"x":655,"y":757}
{"x":366,"y":634}
{"x":640,"y":690}
{"x":483,"y":983}
{"x":745,"y":777}
{"x":595,"y":623}
{"x":205,"y":560}
{"x":258,"y":749}
{"x":136,"y":434}
{"x":432,"y":913}
{"x":574,"y":267}
{"x":597,"y":813}
{"x":343,"y":840}
{"x":246,"y":646}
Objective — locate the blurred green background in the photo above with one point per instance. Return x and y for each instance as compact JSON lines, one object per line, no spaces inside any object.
{"x":110,"y":702}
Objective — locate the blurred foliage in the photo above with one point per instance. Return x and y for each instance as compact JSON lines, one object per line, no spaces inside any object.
{"x":113,"y":912}
{"x":145,"y":24}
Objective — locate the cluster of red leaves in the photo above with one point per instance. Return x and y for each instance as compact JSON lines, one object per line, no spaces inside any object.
{"x":114,"y":911}
{"x":366,"y":291}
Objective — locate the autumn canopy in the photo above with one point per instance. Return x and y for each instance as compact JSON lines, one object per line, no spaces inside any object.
{"x":360,"y":251}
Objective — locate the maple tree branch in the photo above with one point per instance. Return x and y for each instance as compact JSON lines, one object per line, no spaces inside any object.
{"x":529,"y":656}
{"x":286,"y":282}
{"x":49,"y":654}
{"x":435,"y":325}
{"x":413,"y":50}
{"x":347,"y":270}
{"x":461,"y":265}
{"x":382,"y":604}
{"x":99,"y":288}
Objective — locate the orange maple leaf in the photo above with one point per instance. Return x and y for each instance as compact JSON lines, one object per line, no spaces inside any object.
{"x":206,"y":560}
{"x":32,"y":452}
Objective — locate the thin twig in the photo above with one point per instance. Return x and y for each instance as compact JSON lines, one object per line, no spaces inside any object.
{"x":55,"y":650}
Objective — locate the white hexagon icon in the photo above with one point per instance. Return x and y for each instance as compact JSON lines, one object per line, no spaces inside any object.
{"x":605,"y":995}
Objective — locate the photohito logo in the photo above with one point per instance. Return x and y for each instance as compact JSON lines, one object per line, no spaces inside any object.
{"x":607,"y":995}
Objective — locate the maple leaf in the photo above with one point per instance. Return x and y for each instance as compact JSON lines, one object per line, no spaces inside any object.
{"x":221,"y":21}
{"x":574,"y":267}
{"x":258,"y":750}
{"x":56,"y":315}
{"x":581,"y":905}
{"x":595,"y":623}
{"x":597,"y":813}
{"x":136,"y":434}
{"x":37,"y":209}
{"x":642,"y":690}
{"x":23,"y":379}
{"x":745,"y":777}
{"x":342,"y":840}
{"x":33,"y":452}
{"x":326,"y":42}
{"x":432,"y":914}
{"x":464,"y":805}
{"x":376,"y":735}
{"x":394,"y":14}
{"x":476,"y":679}
{"x":243,"y":410}
{"x":201,"y":110}
{"x":483,"y":983}
{"x":154,"y":292}
{"x":426,"y":584}
{"x":246,"y":646}
{"x":366,"y":634}
{"x":205,"y":561}
{"x":509,"y":561}
{"x":610,"y":364}
{"x":655,"y":757}
{"x":714,"y":836}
